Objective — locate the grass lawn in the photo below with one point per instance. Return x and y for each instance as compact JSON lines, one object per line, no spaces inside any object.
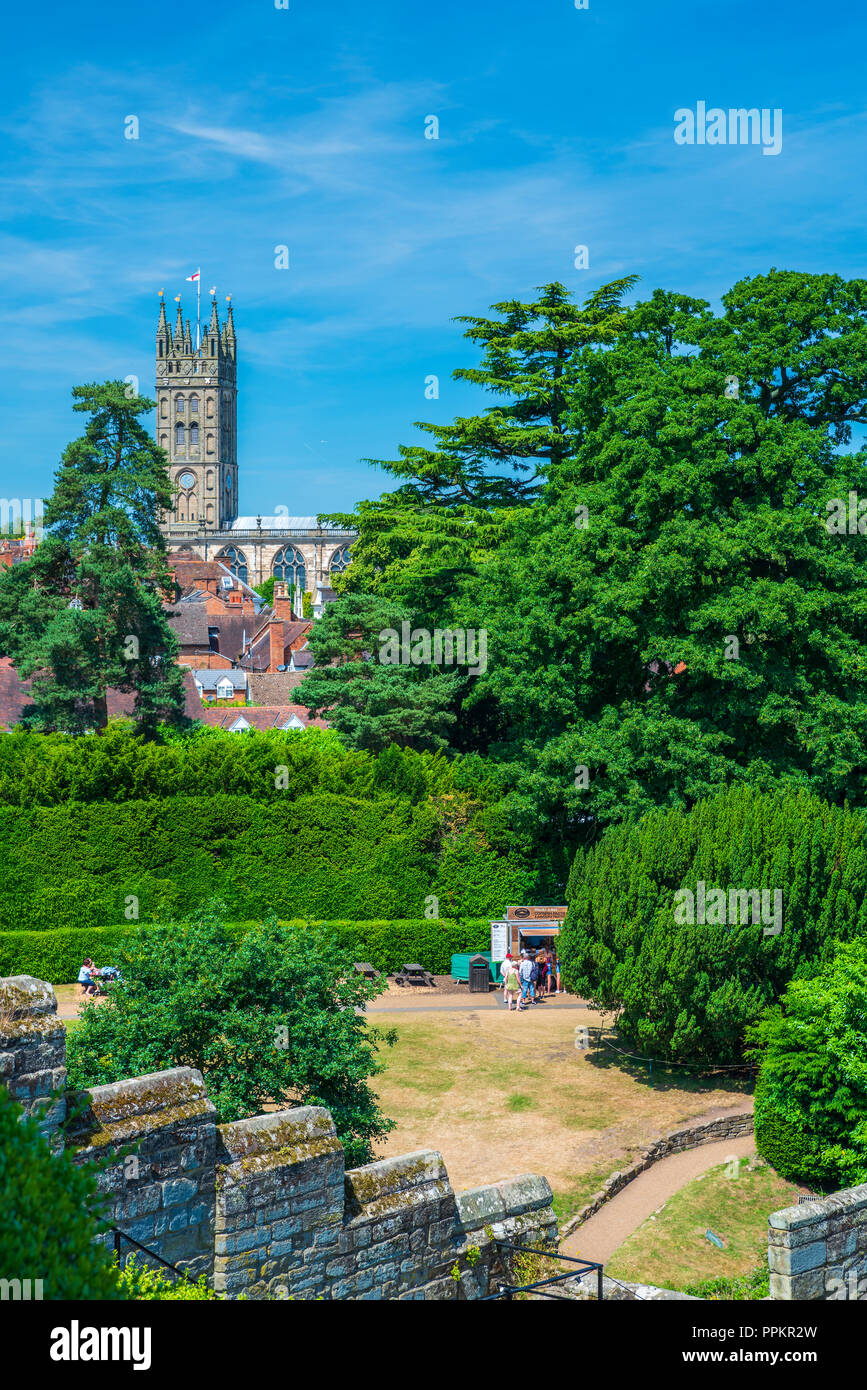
{"x":734,"y":1201}
{"x":501,"y":1094}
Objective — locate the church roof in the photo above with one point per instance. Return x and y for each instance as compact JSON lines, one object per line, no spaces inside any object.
{"x":282,"y":523}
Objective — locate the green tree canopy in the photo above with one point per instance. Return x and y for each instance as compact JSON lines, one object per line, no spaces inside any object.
{"x":85,"y":613}
{"x":676,"y":612}
{"x":373,"y":702}
{"x":272,"y":1019}
{"x":811,"y":1091}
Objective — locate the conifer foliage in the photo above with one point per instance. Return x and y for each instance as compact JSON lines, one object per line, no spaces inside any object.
{"x":689,"y":990}
{"x":84,"y":615}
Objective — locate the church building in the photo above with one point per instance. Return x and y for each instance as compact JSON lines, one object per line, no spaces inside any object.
{"x":197,"y":411}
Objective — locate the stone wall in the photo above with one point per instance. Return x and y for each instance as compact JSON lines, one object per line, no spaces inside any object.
{"x":290,"y":1223}
{"x":818,"y":1250}
{"x":33,"y":1051}
{"x":677,"y":1141}
{"x":264,"y":1206}
{"x":154,"y":1139}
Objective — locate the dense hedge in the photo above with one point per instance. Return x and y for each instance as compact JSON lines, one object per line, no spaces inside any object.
{"x":324,"y":855}
{"x":57,"y":955}
{"x":690,"y":991}
{"x":117,"y":765}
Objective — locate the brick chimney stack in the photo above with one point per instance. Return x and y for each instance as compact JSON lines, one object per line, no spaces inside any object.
{"x":281,"y":602}
{"x":277,"y":645}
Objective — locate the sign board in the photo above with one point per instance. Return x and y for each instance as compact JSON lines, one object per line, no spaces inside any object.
{"x":714,"y":1239}
{"x":535,"y":914}
{"x":499,"y":940}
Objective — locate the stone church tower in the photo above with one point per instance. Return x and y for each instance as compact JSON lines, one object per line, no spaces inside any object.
{"x":197,"y":418}
{"x":197,"y":425}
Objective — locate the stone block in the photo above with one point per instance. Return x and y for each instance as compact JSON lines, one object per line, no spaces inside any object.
{"x":526,"y":1193}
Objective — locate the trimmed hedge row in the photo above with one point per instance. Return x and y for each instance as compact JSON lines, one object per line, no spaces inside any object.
{"x":326,"y":856}
{"x":56,"y":956}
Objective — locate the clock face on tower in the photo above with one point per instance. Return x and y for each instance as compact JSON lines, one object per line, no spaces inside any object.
{"x":187,"y":479}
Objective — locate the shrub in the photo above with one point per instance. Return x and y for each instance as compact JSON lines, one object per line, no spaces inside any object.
{"x":142,"y":1284}
{"x":811,"y":1090}
{"x":691,"y":991}
{"x":275,"y":1018}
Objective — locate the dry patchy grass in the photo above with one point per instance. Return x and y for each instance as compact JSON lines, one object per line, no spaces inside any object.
{"x":501,"y":1094}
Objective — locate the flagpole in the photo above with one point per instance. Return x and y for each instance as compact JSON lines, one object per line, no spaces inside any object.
{"x":198,"y":308}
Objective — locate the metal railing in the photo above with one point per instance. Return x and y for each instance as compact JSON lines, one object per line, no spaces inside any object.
{"x":120,"y":1235}
{"x":540,"y":1286}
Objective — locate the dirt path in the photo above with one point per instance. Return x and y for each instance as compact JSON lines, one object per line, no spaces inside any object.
{"x":606,"y":1231}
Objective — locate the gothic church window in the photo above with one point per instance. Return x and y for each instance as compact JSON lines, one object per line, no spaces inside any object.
{"x":289,"y":565}
{"x":194,"y":405}
{"x":194,"y":434}
{"x":179,"y":434}
{"x":340,"y":560}
{"x":179,"y":405}
{"x":236,"y":561}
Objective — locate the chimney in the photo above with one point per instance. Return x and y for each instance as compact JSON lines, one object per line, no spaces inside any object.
{"x":277,"y":646}
{"x":281,"y":602}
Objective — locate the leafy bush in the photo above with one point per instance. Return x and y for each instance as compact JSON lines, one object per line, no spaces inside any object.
{"x":142,"y":1284}
{"x":273,"y":1018}
{"x":691,"y":991}
{"x":811,"y":1091}
{"x":57,"y":955}
{"x":50,"y":1211}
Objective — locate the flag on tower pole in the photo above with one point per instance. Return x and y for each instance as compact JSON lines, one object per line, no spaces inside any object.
{"x":197,"y":276}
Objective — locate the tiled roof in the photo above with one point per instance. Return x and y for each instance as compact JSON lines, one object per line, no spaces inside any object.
{"x":14,"y":698}
{"x":273,"y":687}
{"x":209,"y":680}
{"x":262,"y":717}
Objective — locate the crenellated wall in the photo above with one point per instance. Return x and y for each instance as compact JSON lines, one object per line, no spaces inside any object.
{"x":264,"y":1206}
{"x":818,"y":1250}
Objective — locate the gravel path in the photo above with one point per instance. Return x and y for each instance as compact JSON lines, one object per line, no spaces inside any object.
{"x":606,"y":1231}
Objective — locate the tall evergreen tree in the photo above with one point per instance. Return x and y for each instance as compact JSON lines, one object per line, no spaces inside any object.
{"x":85,"y":614}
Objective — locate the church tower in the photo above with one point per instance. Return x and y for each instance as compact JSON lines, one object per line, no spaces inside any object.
{"x":197,"y":420}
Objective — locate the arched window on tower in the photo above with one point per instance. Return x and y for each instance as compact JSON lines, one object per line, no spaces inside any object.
{"x":340,"y":560}
{"x":194,"y":405}
{"x":180,"y":404}
{"x":236,"y":561}
{"x":194,"y":434}
{"x":179,"y":434}
{"x":289,"y":565}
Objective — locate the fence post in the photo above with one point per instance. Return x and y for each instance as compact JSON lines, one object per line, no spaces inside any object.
{"x":599,"y":1293}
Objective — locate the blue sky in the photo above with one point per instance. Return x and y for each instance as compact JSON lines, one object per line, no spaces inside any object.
{"x":305,"y":127}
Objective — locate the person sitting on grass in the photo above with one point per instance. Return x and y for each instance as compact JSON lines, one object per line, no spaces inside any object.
{"x":86,"y":980}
